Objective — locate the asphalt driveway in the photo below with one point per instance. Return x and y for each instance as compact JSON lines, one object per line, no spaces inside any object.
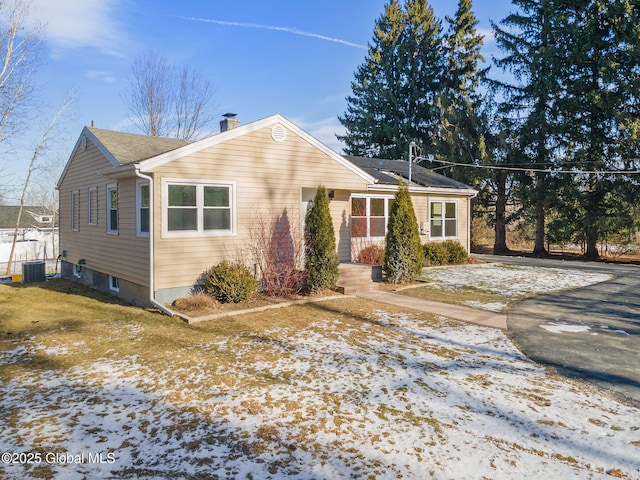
{"x":591,"y":333}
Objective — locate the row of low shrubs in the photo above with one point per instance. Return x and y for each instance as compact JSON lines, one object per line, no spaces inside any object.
{"x":449,"y":252}
{"x":232,"y":282}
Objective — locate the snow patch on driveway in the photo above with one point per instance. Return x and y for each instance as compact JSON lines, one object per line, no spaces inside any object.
{"x":564,"y":328}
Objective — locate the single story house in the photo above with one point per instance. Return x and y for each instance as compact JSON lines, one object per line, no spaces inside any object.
{"x":143,"y":217}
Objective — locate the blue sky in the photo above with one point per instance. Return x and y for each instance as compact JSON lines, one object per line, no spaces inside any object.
{"x":296,"y":58}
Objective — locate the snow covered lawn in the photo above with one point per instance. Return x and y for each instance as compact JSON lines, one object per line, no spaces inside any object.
{"x":501,"y":284}
{"x":347,"y":390}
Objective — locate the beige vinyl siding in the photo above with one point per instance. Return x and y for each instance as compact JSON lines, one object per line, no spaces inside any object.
{"x":462,"y":212}
{"x":123,"y":255}
{"x":269,"y":178}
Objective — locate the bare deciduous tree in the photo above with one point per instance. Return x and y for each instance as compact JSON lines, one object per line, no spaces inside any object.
{"x":19,"y":57}
{"x":38,"y":150}
{"x":167,"y":101}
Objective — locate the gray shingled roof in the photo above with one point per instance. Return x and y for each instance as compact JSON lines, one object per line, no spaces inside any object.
{"x":131,"y":148}
{"x":9,"y":215}
{"x":387,"y":172}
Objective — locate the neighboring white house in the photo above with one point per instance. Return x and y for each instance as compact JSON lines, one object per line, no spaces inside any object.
{"x":37,"y":234}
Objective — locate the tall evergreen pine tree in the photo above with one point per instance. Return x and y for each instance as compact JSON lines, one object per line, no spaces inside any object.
{"x":600,"y":94}
{"x":463,"y":127}
{"x":394,"y":90}
{"x":533,"y":54}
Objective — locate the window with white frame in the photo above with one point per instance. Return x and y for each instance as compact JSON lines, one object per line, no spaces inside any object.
{"x":142,"y":207}
{"x":443,"y":219}
{"x":112,"y":208}
{"x":114,"y":283}
{"x":92,"y":200}
{"x":198,"y":207}
{"x":369,"y":216}
{"x":75,"y":210}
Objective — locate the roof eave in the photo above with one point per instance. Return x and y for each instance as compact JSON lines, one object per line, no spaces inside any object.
{"x":465,"y":192}
{"x":120,"y":171}
{"x":86,"y":133}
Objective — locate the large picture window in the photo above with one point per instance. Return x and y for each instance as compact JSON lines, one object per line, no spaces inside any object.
{"x":443,"y":219}
{"x":369,"y":216}
{"x":198,"y":207}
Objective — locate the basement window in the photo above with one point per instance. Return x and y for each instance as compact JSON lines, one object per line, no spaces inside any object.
{"x":114,"y":284}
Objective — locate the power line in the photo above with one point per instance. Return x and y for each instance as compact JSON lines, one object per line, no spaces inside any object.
{"x":531,"y":170}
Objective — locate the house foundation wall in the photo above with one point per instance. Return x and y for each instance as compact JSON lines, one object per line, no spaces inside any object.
{"x":128,"y":291}
{"x":166,"y":296}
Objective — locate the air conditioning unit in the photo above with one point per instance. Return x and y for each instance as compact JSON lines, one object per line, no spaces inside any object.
{"x":33,"y":272}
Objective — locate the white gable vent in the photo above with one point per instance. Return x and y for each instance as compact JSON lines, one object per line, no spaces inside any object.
{"x":278,"y":133}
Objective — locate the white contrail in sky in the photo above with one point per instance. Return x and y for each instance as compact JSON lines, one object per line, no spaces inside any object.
{"x":292,"y":30}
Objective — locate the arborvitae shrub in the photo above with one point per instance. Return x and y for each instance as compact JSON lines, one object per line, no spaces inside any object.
{"x":449,"y":252}
{"x":403,"y":258}
{"x":230,"y":282}
{"x":321,"y":256}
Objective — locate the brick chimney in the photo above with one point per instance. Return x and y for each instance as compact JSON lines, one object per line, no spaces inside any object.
{"x":230,"y":122}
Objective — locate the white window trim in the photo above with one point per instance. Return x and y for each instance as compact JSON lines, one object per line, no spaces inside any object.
{"x":75,"y":210}
{"x":368,"y":198}
{"x":92,"y":192}
{"x":444,"y":201}
{"x":140,"y":183}
{"x":77,"y":270}
{"x":200,"y":184}
{"x":111,"y":186}
{"x":114,"y":284}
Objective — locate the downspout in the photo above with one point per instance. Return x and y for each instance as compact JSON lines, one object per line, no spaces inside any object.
{"x":469,"y":215}
{"x":152,"y":298}
{"x":469,"y":225}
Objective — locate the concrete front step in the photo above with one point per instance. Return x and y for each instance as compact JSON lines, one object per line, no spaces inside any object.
{"x":353,"y":288}
{"x":355,"y":278}
{"x":372,"y":272}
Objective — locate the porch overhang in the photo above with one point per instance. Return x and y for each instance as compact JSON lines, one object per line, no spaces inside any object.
{"x":413,"y":188}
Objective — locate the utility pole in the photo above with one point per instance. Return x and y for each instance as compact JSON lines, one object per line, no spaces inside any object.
{"x":412,"y":145}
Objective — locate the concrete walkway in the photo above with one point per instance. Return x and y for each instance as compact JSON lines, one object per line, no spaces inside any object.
{"x":458,"y":312}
